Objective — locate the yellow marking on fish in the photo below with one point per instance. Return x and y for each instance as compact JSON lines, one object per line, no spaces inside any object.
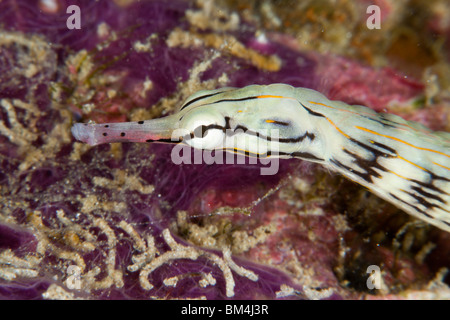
{"x":440,"y":165}
{"x":340,"y":109}
{"x":414,"y":164}
{"x":398,"y":175}
{"x":402,"y":141}
{"x":337,"y":128}
{"x":272,"y":96}
{"x":367,"y":114}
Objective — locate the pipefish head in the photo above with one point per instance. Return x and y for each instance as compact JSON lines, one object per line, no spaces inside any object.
{"x":254,"y":121}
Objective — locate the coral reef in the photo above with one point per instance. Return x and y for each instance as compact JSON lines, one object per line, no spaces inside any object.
{"x":121,"y":221}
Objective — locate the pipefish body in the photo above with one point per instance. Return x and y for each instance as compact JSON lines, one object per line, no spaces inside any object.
{"x":400,"y":161}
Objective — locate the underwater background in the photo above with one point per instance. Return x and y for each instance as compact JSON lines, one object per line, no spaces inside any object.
{"x":122,"y":221}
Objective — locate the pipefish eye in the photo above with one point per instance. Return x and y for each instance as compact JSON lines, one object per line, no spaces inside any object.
{"x":207,"y":129}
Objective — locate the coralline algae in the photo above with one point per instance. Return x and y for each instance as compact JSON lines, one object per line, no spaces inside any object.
{"x":124,"y":221}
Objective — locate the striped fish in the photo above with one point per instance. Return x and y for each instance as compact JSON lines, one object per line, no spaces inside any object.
{"x":402,"y":162}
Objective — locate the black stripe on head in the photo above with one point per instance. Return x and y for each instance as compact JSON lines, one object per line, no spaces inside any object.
{"x":311,"y":136}
{"x":201,"y":131}
{"x":233,"y":100}
{"x":162,"y":140}
{"x":218,"y":101}
{"x":306,"y":156}
{"x":385,"y":147}
{"x":227,"y":123}
{"x":312,"y":112}
{"x":382,"y":122}
{"x":199,"y":98}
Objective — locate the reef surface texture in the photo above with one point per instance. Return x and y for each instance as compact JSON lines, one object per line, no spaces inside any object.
{"x":122,"y":221}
